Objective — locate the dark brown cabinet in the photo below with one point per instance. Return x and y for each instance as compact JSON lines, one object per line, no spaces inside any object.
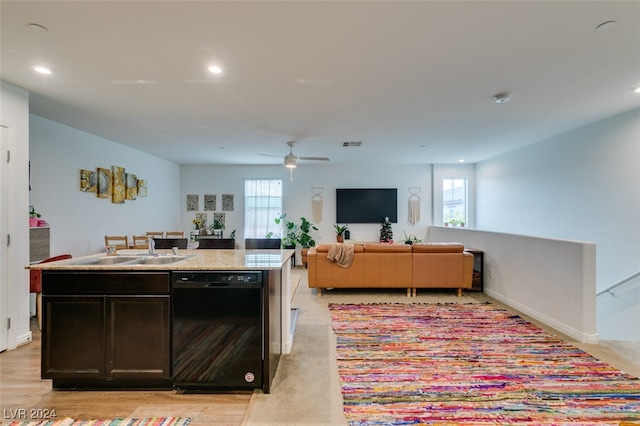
{"x":106,"y":329}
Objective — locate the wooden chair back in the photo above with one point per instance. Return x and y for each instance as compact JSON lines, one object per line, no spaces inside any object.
{"x":121,"y":242}
{"x":174,"y":234}
{"x":140,"y":242}
{"x":155,"y":234}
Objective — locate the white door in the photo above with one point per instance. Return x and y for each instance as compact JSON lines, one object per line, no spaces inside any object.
{"x":4,"y":231}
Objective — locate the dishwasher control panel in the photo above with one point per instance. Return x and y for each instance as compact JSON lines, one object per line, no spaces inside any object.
{"x":240,"y":277}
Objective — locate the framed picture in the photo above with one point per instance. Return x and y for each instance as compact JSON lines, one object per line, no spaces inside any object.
{"x":88,"y":181}
{"x":104,"y":183}
{"x":118,"y":188}
{"x":193,"y":202}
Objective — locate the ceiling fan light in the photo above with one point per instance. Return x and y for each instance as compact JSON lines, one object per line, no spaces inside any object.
{"x":290,"y":162}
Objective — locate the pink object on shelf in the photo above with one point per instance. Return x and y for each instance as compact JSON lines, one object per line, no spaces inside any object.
{"x":33,"y":222}
{"x":42,"y":222}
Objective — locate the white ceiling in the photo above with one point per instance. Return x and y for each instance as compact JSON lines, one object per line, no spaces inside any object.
{"x":414,"y":81}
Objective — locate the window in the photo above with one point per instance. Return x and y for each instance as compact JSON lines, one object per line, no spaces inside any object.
{"x":454,"y":201}
{"x":262,"y":205}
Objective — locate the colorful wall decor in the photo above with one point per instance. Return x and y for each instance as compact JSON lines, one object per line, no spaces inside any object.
{"x":209,"y":202}
{"x":142,"y":188}
{"x":118,"y":188}
{"x":104,"y":183}
{"x":131,"y":185}
{"x":88,"y":181}
{"x":114,"y":184}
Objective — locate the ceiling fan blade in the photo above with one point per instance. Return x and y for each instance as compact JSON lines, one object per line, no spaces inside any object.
{"x":271,"y":155}
{"x":314,"y":158}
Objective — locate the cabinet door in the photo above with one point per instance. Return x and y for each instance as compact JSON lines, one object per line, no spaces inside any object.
{"x":73,"y":337}
{"x":138,"y":337}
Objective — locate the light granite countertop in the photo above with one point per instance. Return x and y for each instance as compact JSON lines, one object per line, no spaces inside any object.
{"x":193,"y":260}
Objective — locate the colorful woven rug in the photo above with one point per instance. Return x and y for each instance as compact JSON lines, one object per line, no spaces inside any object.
{"x":151,"y":421}
{"x":470,"y":364}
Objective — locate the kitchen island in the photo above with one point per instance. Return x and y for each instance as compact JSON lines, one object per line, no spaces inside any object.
{"x":195,"y":320}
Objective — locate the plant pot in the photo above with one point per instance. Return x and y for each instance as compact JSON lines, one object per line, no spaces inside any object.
{"x":33,"y":222}
{"x":340,"y":238}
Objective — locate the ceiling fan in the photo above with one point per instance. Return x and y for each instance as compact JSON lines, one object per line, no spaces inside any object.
{"x":291,"y":160}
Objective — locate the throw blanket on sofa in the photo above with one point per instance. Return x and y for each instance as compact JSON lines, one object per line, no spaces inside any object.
{"x":342,"y":254}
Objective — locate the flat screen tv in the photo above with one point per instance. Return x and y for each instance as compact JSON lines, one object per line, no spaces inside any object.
{"x":366,"y":205}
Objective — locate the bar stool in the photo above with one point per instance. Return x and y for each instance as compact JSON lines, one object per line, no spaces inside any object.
{"x":35,"y":284}
{"x":216,"y":243}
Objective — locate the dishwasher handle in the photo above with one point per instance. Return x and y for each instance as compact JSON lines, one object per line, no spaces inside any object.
{"x":210,"y":285}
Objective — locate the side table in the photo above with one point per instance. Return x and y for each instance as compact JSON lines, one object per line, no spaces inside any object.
{"x":477,"y":283}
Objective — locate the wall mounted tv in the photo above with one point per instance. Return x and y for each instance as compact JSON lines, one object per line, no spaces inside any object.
{"x":366,"y":205}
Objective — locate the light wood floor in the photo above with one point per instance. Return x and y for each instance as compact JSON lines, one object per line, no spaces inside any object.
{"x":22,"y":388}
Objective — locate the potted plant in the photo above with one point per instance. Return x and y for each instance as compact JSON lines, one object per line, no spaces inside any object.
{"x":410,"y":239}
{"x":217,"y":228}
{"x":290,"y":231}
{"x":340,"y":232}
{"x":304,"y":238}
{"x":33,"y":217}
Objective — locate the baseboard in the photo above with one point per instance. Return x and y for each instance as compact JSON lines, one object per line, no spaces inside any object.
{"x":546,"y":320}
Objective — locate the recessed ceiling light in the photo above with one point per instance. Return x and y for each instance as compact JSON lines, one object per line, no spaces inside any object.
{"x":461,"y":160}
{"x":215,"y":69}
{"x":42,"y":70}
{"x":637,"y":89}
{"x":501,"y":98}
{"x":606,"y":25}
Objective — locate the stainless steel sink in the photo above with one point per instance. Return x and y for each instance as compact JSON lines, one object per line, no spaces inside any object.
{"x":160,"y":260}
{"x":108,"y":260}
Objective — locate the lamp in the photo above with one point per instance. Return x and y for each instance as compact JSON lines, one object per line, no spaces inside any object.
{"x":290,"y":161}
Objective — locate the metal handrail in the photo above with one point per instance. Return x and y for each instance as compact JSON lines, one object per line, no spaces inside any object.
{"x":618,"y":284}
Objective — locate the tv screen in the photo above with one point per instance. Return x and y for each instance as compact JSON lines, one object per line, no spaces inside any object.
{"x":366,"y":205}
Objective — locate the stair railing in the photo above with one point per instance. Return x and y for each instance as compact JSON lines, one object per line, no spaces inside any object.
{"x":618,"y":284}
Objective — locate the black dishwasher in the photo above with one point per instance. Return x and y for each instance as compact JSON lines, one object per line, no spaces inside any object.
{"x":218,"y":330}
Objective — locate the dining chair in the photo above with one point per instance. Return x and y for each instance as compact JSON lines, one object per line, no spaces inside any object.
{"x":174,"y":234}
{"x":155,"y":234}
{"x":216,"y":243}
{"x":262,"y":243}
{"x":35,"y":284}
{"x":121,"y":242}
{"x":167,"y":243}
{"x":140,"y":242}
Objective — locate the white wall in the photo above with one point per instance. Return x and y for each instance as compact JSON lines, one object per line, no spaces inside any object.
{"x":14,"y":113}
{"x":297,"y":194}
{"x":582,"y":185}
{"x":80,"y":220}
{"x":548,"y":279}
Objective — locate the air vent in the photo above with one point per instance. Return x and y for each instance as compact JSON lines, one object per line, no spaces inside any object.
{"x":347,"y":144}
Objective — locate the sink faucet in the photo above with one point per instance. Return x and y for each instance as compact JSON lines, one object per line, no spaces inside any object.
{"x":152,"y":245}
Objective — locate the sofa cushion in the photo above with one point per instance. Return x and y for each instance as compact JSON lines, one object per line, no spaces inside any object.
{"x":437,"y":248}
{"x":323,"y":249}
{"x":387,"y":248}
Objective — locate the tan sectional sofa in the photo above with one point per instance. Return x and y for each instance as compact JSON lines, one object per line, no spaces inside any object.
{"x":423,"y":265}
